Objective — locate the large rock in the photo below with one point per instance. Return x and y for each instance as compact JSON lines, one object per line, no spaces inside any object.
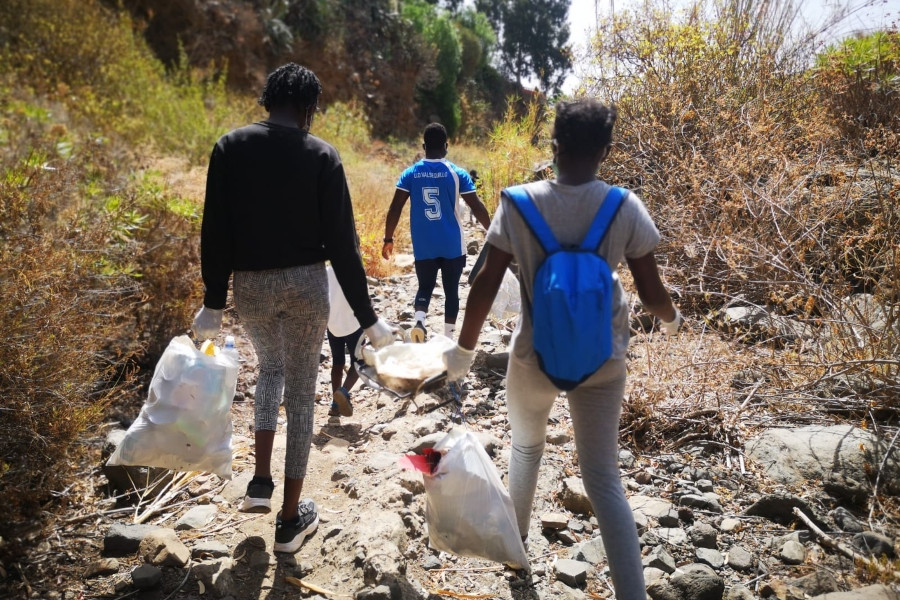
{"x":753,"y":323}
{"x":872,"y":592}
{"x":795,"y":456}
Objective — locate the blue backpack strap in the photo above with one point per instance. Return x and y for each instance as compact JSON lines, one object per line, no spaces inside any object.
{"x":533,"y":218}
{"x":604,"y":217}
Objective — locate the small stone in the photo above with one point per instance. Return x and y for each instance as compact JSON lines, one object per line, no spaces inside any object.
{"x":845,"y":520}
{"x":705,"y":485}
{"x":738,"y":592}
{"x":711,"y":557}
{"x":626,"y":459}
{"x":792,"y":553}
{"x":558,"y":438}
{"x":739,"y":559}
{"x":146,"y":577}
{"x":729,"y":524}
{"x":668,"y":518}
{"x":703,"y":535}
{"x":555,"y":521}
{"x":874,"y":544}
{"x":566,"y":537}
{"x":659,"y":558}
{"x":571,"y":572}
{"x":208,"y":549}
{"x":643,"y":477}
{"x":197,"y":517}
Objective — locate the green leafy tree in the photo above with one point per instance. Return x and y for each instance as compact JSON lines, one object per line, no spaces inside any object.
{"x":438,"y":94}
{"x":478,"y":41}
{"x":534,"y":38}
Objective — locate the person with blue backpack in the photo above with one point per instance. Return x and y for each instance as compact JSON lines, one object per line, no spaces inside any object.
{"x":568,"y":236}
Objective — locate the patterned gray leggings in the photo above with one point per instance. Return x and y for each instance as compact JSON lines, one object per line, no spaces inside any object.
{"x":285,"y":311}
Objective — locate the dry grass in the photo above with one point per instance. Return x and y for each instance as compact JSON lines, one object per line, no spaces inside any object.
{"x":765,"y":194}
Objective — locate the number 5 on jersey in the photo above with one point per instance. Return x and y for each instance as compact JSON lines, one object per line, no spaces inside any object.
{"x":432,"y":198}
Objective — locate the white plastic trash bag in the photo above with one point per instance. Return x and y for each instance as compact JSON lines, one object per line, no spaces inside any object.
{"x":185,"y":423}
{"x":403,"y":366}
{"x":508,"y":301}
{"x":341,"y":320}
{"x":468,"y":510}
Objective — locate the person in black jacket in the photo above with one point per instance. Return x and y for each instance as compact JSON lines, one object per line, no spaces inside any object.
{"x":277,"y":207}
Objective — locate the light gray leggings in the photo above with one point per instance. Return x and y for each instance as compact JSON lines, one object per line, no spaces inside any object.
{"x":285,"y":311}
{"x":595,"y":407}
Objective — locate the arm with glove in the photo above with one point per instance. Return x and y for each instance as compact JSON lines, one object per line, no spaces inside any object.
{"x":458,"y":360}
{"x":215,"y":251}
{"x":653,"y":293}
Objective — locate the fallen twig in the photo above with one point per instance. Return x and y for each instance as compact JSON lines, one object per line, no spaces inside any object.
{"x":829,"y":542}
{"x":470,"y":569}
{"x":443,"y":592}
{"x":228,"y":523}
{"x":311,"y":586}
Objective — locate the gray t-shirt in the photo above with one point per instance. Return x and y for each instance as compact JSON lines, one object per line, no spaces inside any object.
{"x":569,"y":211}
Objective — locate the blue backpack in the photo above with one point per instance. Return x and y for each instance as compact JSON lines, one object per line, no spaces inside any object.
{"x":573,"y":295}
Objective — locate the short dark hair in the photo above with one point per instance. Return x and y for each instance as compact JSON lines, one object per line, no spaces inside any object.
{"x":583,"y":127}
{"x":290,"y":85}
{"x":435,"y":136}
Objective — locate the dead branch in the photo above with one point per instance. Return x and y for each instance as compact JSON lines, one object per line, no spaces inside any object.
{"x":311,"y":586}
{"x":829,"y":542}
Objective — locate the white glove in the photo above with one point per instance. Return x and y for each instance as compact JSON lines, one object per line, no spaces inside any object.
{"x":458,"y":361}
{"x":380,"y":334}
{"x":207,"y":323}
{"x":671,"y":327}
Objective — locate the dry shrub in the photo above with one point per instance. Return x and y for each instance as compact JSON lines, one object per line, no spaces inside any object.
{"x":857,"y":82}
{"x":763,"y":197}
{"x":371,"y":180}
{"x":517,"y":144}
{"x":167,"y":255}
{"x":97,"y":272}
{"x":59,"y":307}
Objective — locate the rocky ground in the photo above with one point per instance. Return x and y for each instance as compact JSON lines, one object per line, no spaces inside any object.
{"x":714,"y":524}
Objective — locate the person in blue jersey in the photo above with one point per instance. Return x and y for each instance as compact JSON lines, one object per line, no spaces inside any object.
{"x":433,"y":186}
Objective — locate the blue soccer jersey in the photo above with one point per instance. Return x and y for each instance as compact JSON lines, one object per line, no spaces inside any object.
{"x":434,"y":187}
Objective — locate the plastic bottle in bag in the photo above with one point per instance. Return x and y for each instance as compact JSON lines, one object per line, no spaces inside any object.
{"x":230,"y":350}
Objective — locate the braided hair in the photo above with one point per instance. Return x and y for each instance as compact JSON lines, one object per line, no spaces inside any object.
{"x":290,"y":85}
{"x":583,"y":127}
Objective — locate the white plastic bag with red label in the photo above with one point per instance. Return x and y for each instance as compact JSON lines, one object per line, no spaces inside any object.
{"x":468,"y":510}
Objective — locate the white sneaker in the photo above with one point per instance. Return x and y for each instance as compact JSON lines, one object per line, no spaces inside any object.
{"x":418,"y":333}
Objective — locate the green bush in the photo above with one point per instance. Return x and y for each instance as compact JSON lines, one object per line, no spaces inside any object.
{"x":98,"y":268}
{"x":858,"y":80}
{"x":90,"y":59}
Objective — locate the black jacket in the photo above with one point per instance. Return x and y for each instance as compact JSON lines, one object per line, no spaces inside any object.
{"x":277,"y":197}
